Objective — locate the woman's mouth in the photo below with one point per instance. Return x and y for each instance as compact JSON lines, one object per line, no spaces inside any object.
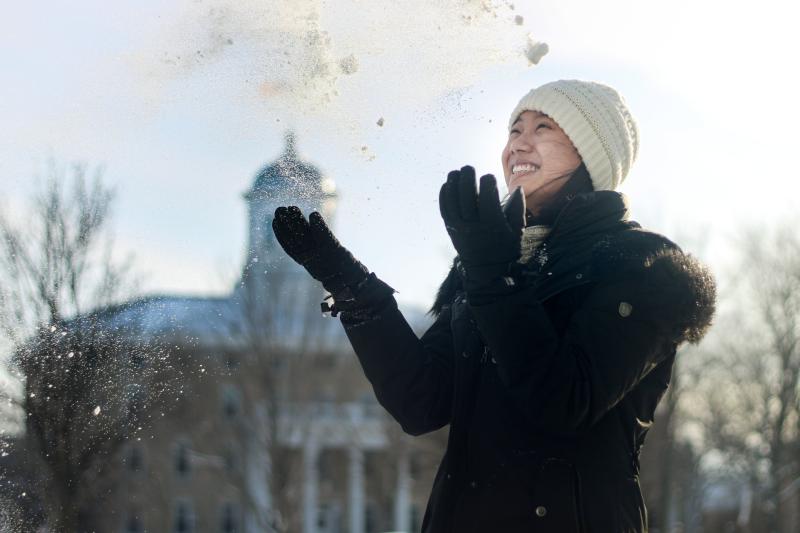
{"x":523,"y":168}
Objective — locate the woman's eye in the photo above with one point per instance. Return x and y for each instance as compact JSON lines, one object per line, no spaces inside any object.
{"x":543,"y":125}
{"x":513,"y":131}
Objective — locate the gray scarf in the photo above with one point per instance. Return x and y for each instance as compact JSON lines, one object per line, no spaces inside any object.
{"x":532,"y":237}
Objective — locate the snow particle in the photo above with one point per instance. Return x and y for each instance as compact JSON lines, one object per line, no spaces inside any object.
{"x":380,"y":122}
{"x":96,"y":411}
{"x":518,"y":20}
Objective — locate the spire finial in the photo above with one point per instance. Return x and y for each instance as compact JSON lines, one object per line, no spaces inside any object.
{"x":289,"y":143}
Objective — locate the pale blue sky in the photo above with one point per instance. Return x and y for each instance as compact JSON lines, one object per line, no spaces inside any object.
{"x":182,"y":118}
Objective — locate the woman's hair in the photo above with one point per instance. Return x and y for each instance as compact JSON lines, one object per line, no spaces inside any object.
{"x":578,"y":182}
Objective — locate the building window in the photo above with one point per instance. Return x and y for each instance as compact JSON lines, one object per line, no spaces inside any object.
{"x":184,"y":518}
{"x":183,"y":464}
{"x":322,"y":517}
{"x":231,"y":460}
{"x":135,"y":458}
{"x":326,"y":464}
{"x":329,"y":518}
{"x":135,"y":399}
{"x":371,"y":517}
{"x":133,"y":524}
{"x":137,"y":360}
{"x":231,"y":401}
{"x":230,"y":518}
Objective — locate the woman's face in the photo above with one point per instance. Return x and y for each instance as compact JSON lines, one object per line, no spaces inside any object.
{"x":539,"y":157}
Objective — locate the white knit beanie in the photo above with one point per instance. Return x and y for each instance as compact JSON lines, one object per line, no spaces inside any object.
{"x":597,"y":121}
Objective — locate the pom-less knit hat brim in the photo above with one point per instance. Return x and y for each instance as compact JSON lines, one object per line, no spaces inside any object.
{"x":596,"y":120}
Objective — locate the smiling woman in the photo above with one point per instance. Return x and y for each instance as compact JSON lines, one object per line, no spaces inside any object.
{"x":555,"y":333}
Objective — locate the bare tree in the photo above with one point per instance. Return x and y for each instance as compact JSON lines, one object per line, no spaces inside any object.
{"x":748,"y":401}
{"x":86,"y":381}
{"x":58,"y":262}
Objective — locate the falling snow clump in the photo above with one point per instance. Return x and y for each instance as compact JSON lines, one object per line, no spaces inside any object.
{"x":536,"y":50}
{"x":349,"y":64}
{"x":380,"y":122}
{"x":518,"y":20}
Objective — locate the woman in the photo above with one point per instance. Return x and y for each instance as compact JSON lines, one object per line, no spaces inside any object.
{"x":555,"y":332}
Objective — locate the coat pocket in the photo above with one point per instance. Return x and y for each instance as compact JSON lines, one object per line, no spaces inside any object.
{"x":530,"y":494}
{"x":557,"y":503}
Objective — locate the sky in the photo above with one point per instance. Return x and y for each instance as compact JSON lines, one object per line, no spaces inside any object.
{"x":181,"y":103}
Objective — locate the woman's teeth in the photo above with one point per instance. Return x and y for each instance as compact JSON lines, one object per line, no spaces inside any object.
{"x":518,"y":169}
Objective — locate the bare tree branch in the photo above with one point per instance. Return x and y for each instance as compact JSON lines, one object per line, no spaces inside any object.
{"x":57,"y":281}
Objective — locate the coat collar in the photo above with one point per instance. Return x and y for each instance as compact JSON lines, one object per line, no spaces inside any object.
{"x":564,"y":257}
{"x":589,"y":214}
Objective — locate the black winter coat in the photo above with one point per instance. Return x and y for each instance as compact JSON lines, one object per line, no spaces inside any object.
{"x":550,"y":391}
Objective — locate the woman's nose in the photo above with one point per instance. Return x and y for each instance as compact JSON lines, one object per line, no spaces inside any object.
{"x":520,"y":144}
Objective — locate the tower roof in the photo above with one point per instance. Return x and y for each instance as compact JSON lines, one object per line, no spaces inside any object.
{"x":290,"y":176}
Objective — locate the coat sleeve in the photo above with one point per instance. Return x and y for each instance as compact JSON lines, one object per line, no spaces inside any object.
{"x":412,"y":377}
{"x":567,"y":382}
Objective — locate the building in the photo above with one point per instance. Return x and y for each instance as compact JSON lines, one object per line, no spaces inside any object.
{"x":272,"y":425}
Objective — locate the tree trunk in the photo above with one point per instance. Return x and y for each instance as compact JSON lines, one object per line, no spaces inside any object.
{"x":774,"y":514}
{"x":667,"y":419}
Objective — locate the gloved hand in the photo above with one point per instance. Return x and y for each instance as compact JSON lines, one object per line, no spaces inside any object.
{"x":312,"y":244}
{"x":486,"y":237}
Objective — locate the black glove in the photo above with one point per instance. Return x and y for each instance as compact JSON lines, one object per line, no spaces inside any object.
{"x":486,"y":237}
{"x":312,"y":244}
